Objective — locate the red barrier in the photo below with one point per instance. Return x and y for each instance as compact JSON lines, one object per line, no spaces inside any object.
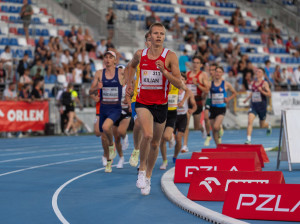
{"x":226,"y":155}
{"x":232,"y":151}
{"x":213,"y":186}
{"x":266,"y":202}
{"x":22,"y":116}
{"x":245,"y":147}
{"x":184,"y":168}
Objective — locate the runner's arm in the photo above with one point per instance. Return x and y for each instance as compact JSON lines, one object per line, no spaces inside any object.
{"x":265,"y":89}
{"x":131,"y":68}
{"x":231,"y":89}
{"x":193,"y":102}
{"x":97,"y":83}
{"x":174,"y":76}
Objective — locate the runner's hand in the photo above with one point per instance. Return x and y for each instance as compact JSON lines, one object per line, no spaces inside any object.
{"x":180,"y":104}
{"x":160,"y":65}
{"x":129,"y":90}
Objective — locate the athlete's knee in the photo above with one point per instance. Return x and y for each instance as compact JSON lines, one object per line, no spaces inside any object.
{"x":98,"y":133}
{"x":216,"y":127}
{"x":122,"y":132}
{"x":167,"y":138}
{"x":106,"y":128}
{"x":154,"y":144}
{"x":148,"y":136}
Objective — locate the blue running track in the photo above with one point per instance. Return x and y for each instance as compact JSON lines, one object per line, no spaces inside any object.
{"x":61,"y":180}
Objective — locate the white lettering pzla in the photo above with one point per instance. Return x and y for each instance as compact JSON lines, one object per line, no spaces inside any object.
{"x":25,"y":115}
{"x":263,"y":206}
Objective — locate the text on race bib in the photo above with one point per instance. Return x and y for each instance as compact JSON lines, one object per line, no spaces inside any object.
{"x":193,"y":88}
{"x":110,"y":94}
{"x":151,"y":79}
{"x":172,"y":100}
{"x":256,"y":97}
{"x":217,"y":98}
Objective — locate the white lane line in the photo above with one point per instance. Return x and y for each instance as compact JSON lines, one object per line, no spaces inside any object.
{"x":49,"y":164}
{"x":22,"y":148}
{"x":47,"y":156}
{"x":52,"y":150}
{"x":57,"y":192}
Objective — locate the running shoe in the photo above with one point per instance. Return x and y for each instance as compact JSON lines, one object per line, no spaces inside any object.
{"x":269,"y":131}
{"x":67,"y":132}
{"x":125,"y":143}
{"x":141,"y":181}
{"x":174,"y":160}
{"x":134,"y":158}
{"x":172,"y":142}
{"x":120,"y":163}
{"x":108,"y":167}
{"x":221,"y":132}
{"x":147,"y":188}
{"x":104,"y":160}
{"x":207,"y":141}
{"x":164,"y":165}
{"x":112,"y":152}
{"x":247,"y":142}
{"x":184,"y":149}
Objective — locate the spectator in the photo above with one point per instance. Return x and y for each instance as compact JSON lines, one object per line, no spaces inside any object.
{"x":57,"y":45}
{"x":25,"y":14}
{"x":66,"y":45}
{"x":23,"y":64}
{"x":237,"y":18}
{"x":37,"y":91}
{"x":109,"y":45}
{"x":77,"y":74}
{"x":90,"y":44}
{"x":200,"y":26}
{"x":7,"y":60}
{"x":38,"y":66}
{"x":80,"y":36}
{"x":40,"y":49}
{"x":101,"y":49}
{"x":10,"y":92}
{"x":296,"y":76}
{"x":61,"y":75}
{"x":175,"y":27}
{"x":268,"y":72}
{"x":25,"y":78}
{"x":234,"y":41}
{"x":228,"y":53}
{"x":83,"y":58}
{"x":188,"y":35}
{"x":249,"y":69}
{"x":66,"y":60}
{"x":49,"y":77}
{"x":262,"y":25}
{"x":247,"y":81}
{"x":56,"y":60}
{"x":87,"y":74}
{"x":150,"y":20}
{"x":278,"y":79}
{"x":2,"y":74}
{"x":110,"y":20}
{"x":51,"y":45}
{"x":184,"y":62}
{"x":24,"y":94}
{"x":72,"y":37}
{"x":202,"y":50}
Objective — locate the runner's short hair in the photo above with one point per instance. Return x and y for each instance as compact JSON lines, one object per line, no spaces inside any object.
{"x":156,"y":24}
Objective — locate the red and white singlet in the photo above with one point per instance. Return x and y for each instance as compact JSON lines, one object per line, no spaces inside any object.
{"x":154,"y":86}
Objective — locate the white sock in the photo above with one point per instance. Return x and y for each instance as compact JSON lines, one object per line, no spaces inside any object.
{"x":249,"y":138}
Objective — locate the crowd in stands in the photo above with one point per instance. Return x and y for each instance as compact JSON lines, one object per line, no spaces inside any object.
{"x":205,"y":43}
{"x":69,"y":59}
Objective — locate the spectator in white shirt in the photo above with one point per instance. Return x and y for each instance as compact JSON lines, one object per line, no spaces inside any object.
{"x":9,"y":93}
{"x":101,"y":49}
{"x":77,"y":74}
{"x":7,"y":59}
{"x":83,"y":57}
{"x":296,"y":76}
{"x":66,"y":60}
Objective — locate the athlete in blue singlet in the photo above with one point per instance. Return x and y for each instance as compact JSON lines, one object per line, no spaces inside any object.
{"x":219,"y":99}
{"x":110,"y":80}
{"x":260,"y":91}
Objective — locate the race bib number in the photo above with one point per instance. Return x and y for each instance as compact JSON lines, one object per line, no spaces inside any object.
{"x":110,"y":94}
{"x":172,"y":100}
{"x":193,"y":88}
{"x":256,"y":97}
{"x":151,"y":79}
{"x":217,"y":98}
